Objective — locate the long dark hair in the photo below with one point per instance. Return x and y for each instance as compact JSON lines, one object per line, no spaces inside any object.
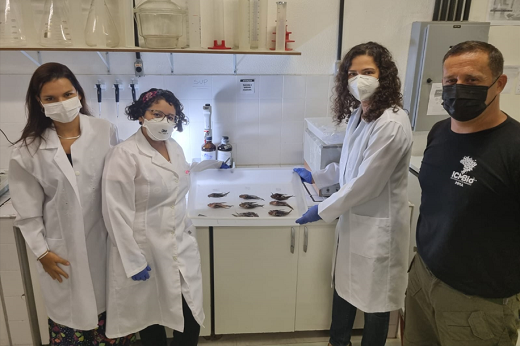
{"x":388,"y":95}
{"x":37,"y":122}
{"x":148,"y":98}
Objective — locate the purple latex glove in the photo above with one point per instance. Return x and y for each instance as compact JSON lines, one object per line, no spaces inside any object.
{"x":310,"y":216}
{"x":304,"y":174}
{"x":142,"y":275}
{"x":225,"y":166}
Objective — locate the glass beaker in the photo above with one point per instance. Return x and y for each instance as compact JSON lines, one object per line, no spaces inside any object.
{"x":55,"y":27}
{"x":160,"y":23}
{"x":11,"y":25}
{"x":101,"y":29}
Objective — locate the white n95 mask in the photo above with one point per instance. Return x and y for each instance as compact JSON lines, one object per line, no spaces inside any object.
{"x":158,"y":130}
{"x":63,"y":112}
{"x":363,"y":87}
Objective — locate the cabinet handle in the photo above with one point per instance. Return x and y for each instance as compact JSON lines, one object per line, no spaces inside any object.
{"x":305,"y":238}
{"x":293,"y":239}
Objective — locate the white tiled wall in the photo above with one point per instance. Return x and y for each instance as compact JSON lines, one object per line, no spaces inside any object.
{"x":265,"y":128}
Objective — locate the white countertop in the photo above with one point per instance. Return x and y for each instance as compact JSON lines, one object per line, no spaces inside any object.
{"x":415,"y":163}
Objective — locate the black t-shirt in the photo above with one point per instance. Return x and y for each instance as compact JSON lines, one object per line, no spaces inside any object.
{"x":469,"y":225}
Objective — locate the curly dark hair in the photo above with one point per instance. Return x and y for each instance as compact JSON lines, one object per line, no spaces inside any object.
{"x":387,"y":95}
{"x":148,"y":98}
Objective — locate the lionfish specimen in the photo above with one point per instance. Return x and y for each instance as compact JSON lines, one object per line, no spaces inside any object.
{"x":280,"y":196}
{"x":219,"y":205}
{"x":279,"y":212}
{"x":248,"y":214}
{"x":250,"y":197}
{"x":280,"y":204}
{"x":250,"y":205}
{"x":217,"y":195}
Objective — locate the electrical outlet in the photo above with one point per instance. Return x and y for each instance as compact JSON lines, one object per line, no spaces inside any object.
{"x":139,"y":68}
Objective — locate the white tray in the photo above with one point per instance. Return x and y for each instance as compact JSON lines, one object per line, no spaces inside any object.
{"x":252,"y":181}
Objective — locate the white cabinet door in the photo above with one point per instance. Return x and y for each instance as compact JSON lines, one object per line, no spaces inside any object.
{"x":203,"y":241}
{"x":255,"y":279}
{"x":314,"y":297}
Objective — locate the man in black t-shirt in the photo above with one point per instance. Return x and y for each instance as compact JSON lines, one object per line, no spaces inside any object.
{"x":464,"y":283}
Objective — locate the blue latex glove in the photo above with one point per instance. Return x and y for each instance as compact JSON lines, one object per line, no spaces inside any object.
{"x":310,"y":216}
{"x":304,"y":174}
{"x":225,"y":166}
{"x":142,"y":275}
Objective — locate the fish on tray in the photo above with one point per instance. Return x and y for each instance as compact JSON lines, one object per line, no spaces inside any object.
{"x":219,"y":205}
{"x":248,"y":214}
{"x":250,"y":205}
{"x":280,"y":196}
{"x":250,"y":197}
{"x":217,"y":195}
{"x":280,"y":204}
{"x":279,"y":212}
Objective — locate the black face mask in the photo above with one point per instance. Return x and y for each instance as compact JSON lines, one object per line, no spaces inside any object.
{"x":465,"y":102}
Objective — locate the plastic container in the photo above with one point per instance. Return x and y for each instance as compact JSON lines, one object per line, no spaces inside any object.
{"x":225,"y":151}
{"x":12,"y":31}
{"x":326,"y":130}
{"x":55,"y":28}
{"x":101,"y":30}
{"x":208,"y":150}
{"x":161,"y":23}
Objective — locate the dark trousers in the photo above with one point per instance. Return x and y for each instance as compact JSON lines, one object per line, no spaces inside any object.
{"x":343,"y":315}
{"x":155,"y":335}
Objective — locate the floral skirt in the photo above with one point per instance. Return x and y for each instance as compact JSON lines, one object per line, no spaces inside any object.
{"x":60,"y":335}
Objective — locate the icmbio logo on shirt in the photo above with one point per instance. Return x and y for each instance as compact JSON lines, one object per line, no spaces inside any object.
{"x":461,"y":177}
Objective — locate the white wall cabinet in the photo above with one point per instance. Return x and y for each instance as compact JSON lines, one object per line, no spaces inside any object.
{"x":14,"y":297}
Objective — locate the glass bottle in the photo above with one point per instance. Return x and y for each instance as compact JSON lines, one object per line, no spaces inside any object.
{"x":209,"y":150}
{"x":11,"y":25}
{"x":55,"y":27}
{"x":101,"y":29}
{"x":225,"y":151}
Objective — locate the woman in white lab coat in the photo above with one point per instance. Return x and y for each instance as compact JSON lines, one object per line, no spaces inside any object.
{"x":154,"y":260}
{"x":55,"y":182}
{"x":372,"y":234}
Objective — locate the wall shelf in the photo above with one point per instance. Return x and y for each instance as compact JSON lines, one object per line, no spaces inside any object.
{"x":147,"y":50}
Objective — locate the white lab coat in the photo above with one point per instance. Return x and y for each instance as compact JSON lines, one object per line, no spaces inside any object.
{"x":59,"y":208}
{"x":144,"y":205}
{"x":372,"y":235}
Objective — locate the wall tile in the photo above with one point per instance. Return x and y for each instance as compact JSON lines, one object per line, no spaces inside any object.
{"x":271,"y":87}
{"x":270,"y":110}
{"x":292,"y":142}
{"x":317,"y":86}
{"x":293,"y":109}
{"x":316,"y":108}
{"x":224,"y":88}
{"x":293,"y":87}
{"x":190,"y":87}
{"x":247,"y":120}
{"x":247,"y":152}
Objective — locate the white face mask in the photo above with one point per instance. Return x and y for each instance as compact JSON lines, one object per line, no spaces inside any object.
{"x":158,"y":130}
{"x":63,"y":112}
{"x":362,"y":87}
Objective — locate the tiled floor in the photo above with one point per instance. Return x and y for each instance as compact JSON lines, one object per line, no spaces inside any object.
{"x":279,"y":339}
